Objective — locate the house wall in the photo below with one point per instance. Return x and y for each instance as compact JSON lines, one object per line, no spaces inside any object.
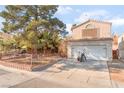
{"x":115,"y":43}
{"x":121,"y":50}
{"x":104,"y":29}
{"x":121,"y":38}
{"x":107,"y":43}
{"x":121,"y":46}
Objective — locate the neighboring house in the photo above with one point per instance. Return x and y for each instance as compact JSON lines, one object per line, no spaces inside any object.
{"x":121,"y":46}
{"x":115,"y":50}
{"x":92,"y":37}
{"x":121,"y":38}
{"x":5,"y":36}
{"x":115,"y":42}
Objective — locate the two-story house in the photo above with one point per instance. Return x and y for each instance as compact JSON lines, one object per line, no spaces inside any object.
{"x":92,"y":38}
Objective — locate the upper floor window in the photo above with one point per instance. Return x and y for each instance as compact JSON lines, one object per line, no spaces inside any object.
{"x":90,"y":26}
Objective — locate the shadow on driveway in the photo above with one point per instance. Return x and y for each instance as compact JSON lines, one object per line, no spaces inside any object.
{"x":68,"y":64}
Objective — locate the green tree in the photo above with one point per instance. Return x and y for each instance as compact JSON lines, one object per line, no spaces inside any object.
{"x":35,"y":25}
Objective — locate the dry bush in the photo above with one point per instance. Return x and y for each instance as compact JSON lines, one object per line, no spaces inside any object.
{"x":62,"y":50}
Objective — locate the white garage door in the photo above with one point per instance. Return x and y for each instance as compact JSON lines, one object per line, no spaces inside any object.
{"x":94,"y":52}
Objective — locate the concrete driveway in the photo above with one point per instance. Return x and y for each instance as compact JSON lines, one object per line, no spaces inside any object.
{"x":69,"y":73}
{"x":74,"y":74}
{"x":65,"y":73}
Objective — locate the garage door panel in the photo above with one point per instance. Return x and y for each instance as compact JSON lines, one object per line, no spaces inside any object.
{"x":91,"y":52}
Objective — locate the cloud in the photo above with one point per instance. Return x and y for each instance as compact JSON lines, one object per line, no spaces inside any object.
{"x":96,"y":14}
{"x":1,"y":25}
{"x":102,"y":15}
{"x":78,"y":10}
{"x":68,"y":28}
{"x":64,"y":10}
{"x":117,"y":21}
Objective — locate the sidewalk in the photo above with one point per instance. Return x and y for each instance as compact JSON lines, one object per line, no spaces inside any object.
{"x":116,"y":68}
{"x":10,"y":77}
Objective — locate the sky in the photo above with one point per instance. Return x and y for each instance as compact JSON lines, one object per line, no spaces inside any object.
{"x":75,"y":14}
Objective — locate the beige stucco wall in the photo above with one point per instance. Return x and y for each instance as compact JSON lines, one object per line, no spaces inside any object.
{"x":121,"y":49}
{"x":121,"y":38}
{"x":121,"y":46}
{"x":103,"y":32}
{"x":115,"y":42}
